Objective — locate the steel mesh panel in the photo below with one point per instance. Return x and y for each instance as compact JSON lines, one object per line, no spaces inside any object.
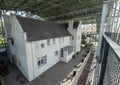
{"x":112,"y":71}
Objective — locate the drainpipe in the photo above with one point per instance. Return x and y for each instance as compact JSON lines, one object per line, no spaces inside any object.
{"x":32,"y":59}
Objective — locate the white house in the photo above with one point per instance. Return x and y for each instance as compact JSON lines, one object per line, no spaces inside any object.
{"x":34,"y":45}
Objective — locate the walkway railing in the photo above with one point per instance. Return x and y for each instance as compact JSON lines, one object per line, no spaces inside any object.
{"x":112,"y":71}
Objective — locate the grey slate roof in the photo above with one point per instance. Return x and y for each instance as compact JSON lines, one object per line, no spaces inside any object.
{"x":40,"y":30}
{"x":68,"y":48}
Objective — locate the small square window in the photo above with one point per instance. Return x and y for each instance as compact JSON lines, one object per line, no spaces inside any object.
{"x":38,"y":62}
{"x":12,"y":42}
{"x":42,"y":45}
{"x":56,"y":53}
{"x":48,"y":42}
{"x":53,"y":41}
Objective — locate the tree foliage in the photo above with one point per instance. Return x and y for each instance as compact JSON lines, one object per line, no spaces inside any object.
{"x":2,"y":39}
{"x":83,"y":39}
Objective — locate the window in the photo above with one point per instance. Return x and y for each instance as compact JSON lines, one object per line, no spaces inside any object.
{"x":61,"y":53}
{"x":12,"y":42}
{"x":48,"y":42}
{"x":53,"y":41}
{"x":42,"y":61}
{"x":42,"y":45}
{"x":56,"y":53}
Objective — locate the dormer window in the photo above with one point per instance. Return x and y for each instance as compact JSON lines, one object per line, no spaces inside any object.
{"x":56,"y":53}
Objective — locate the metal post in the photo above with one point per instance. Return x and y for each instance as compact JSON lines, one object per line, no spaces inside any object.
{"x":96,"y":77}
{"x":101,"y":28}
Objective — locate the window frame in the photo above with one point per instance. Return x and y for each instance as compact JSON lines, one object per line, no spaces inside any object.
{"x":42,"y":61}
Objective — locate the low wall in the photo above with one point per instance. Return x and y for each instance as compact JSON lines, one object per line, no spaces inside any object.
{"x":75,"y":80}
{"x":79,"y":70}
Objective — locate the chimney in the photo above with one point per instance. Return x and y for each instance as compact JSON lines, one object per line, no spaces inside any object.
{"x":70,"y":24}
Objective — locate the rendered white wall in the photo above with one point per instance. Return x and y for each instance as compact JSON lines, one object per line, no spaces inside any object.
{"x":76,"y":33}
{"x":18,"y":49}
{"x":67,"y":57}
{"x":34,"y":51}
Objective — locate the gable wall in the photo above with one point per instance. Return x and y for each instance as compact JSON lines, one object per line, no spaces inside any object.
{"x":76,"y":33}
{"x":17,"y":51}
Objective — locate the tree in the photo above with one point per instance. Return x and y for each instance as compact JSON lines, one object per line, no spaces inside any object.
{"x":2,"y":39}
{"x":83,"y":39}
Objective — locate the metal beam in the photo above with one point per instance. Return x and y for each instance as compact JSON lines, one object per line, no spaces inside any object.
{"x":58,"y":5}
{"x":48,"y":3}
{"x":85,"y":20}
{"x":53,"y":5}
{"x":77,"y":11}
{"x":22,"y":3}
{"x":76,"y":16}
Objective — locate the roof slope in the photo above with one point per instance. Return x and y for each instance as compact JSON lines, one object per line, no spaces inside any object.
{"x":40,"y":30}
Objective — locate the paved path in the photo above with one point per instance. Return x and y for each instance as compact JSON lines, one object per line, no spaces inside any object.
{"x":53,"y":76}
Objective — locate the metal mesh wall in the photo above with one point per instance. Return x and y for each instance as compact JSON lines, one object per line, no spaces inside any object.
{"x":112,"y":71}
